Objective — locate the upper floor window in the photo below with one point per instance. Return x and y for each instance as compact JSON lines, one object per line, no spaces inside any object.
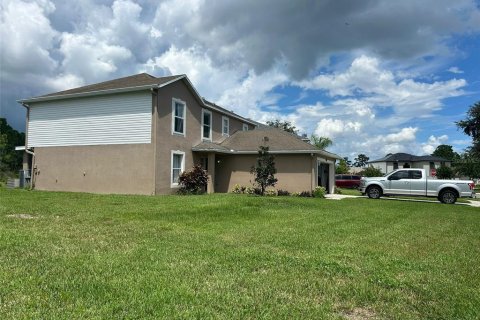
{"x":178,"y":116}
{"x":206,"y":124}
{"x":225,"y":126}
{"x":245,"y":127}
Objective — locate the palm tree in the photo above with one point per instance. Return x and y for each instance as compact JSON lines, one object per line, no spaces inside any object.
{"x":320,"y":142}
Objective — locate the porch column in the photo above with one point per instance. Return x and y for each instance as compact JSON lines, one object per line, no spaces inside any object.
{"x":331,"y":177}
{"x":211,"y":173}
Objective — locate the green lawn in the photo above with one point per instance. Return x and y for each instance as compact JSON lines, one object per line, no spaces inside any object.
{"x":67,"y":255}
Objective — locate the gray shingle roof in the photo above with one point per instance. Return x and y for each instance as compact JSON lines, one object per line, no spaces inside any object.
{"x":408,"y":158}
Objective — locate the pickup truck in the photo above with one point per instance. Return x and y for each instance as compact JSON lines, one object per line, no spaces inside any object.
{"x":414,"y":182}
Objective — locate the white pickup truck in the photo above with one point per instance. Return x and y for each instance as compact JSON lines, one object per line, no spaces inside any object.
{"x":414,"y":182}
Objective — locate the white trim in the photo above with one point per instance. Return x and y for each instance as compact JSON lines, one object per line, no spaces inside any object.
{"x":204,"y":111}
{"x":223,"y":126}
{"x":184,"y":133}
{"x":19,"y":148}
{"x":176,"y":152}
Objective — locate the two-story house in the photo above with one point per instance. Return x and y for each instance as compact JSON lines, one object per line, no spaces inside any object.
{"x":136,"y":134}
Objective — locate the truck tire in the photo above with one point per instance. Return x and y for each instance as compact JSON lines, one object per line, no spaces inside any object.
{"x":374,"y":192}
{"x":447,"y":196}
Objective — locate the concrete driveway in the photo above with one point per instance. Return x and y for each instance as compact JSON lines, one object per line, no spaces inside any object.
{"x":344,"y":196}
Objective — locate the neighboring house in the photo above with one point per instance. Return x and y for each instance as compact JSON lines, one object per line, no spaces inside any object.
{"x":404,"y":160}
{"x":135,"y":135}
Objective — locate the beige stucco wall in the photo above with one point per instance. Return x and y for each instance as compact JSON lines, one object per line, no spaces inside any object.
{"x":165,"y":141}
{"x":294,"y":172}
{"x":125,"y":169}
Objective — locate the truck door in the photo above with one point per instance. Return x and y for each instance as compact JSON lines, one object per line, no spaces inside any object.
{"x":398,"y":183}
{"x":418,"y":185}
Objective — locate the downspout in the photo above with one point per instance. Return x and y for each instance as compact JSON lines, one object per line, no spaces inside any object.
{"x":154,"y":91}
{"x":32,"y":170}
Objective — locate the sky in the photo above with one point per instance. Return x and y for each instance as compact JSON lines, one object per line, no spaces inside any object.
{"x":375,"y":76}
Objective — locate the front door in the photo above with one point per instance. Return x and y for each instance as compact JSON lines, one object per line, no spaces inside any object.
{"x":323,"y":176}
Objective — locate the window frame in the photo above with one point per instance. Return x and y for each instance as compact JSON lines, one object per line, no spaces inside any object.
{"x":175,"y":101}
{"x":223,"y":126}
{"x":182,"y":167}
{"x":245,"y":126}
{"x":204,"y":111}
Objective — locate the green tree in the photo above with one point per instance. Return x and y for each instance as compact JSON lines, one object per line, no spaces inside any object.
{"x":284,"y":125}
{"x":468,"y":165}
{"x":446,"y":151}
{"x":371,"y":171}
{"x":342,"y":167}
{"x":445,"y":172}
{"x":320,"y":142}
{"x":471,"y":127}
{"x":264,"y":170}
{"x":10,"y":159}
{"x":361,"y":161}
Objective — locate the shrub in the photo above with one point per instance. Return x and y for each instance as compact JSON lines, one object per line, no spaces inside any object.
{"x":444,"y":172}
{"x":264,"y":170}
{"x":250,"y":190}
{"x":371,"y":172}
{"x":193,"y":181}
{"x":319,"y":192}
{"x":305,"y":194}
{"x":271,"y":192}
{"x":337,"y":191}
{"x":283,"y":193}
{"x":295,"y":194}
{"x":238,"y":189}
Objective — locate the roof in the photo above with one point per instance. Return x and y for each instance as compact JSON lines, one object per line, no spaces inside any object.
{"x":278,"y":141}
{"x":408,"y":158}
{"x":142,"y":81}
{"x":137,"y":80}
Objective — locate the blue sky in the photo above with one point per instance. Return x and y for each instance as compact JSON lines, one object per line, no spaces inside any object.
{"x":375,"y":76}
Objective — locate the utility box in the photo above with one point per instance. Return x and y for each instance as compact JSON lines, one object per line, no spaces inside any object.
{"x":25,"y":178}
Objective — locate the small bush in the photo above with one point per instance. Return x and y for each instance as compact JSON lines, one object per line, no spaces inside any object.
{"x":295,"y":194}
{"x":271,"y":192}
{"x":250,"y":190}
{"x":319,"y":192}
{"x":283,"y":193}
{"x":371,"y":171}
{"x":193,"y":181}
{"x":444,"y":172}
{"x":337,"y":191}
{"x":305,"y":194}
{"x":238,"y":189}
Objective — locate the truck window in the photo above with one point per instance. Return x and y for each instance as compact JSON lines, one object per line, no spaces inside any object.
{"x":402,"y":174}
{"x":415,"y":174}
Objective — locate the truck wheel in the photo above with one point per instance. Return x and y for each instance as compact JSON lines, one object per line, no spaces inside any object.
{"x":374,"y":192}
{"x":448,"y":197}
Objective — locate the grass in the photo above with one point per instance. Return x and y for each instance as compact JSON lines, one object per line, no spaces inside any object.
{"x":72,"y":255}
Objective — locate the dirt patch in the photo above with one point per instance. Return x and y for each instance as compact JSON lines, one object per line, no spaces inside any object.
{"x":22,"y":216}
{"x":359,"y":314}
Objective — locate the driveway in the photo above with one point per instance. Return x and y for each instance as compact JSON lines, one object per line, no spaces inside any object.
{"x":344,"y":196}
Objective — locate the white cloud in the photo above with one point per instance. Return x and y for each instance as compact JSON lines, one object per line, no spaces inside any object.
{"x":455,"y":70}
{"x":432,"y":143}
{"x":27,"y":38}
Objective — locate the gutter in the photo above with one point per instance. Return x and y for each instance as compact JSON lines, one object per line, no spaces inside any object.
{"x":231,"y":151}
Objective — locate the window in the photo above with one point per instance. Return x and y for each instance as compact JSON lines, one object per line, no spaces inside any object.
{"x":402,"y":174}
{"x":178,"y":116}
{"x":395,"y":165}
{"x":432,"y":165}
{"x":415,"y":174}
{"x":245,"y":127}
{"x":178,"y":166}
{"x":206,"y":125}
{"x":225,"y":126}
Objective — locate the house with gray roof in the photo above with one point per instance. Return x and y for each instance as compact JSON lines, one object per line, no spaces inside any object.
{"x":404,"y":160}
{"x":135,"y":135}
